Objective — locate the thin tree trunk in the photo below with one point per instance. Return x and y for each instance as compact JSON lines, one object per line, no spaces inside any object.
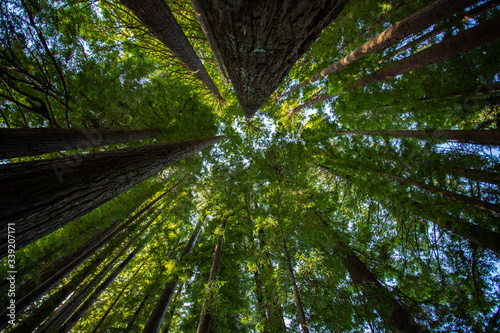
{"x":157,"y":17}
{"x":110,"y":307}
{"x":260,"y":41}
{"x":389,"y":309}
{"x":484,"y":137}
{"x":468,"y":16}
{"x":204,"y":324}
{"x":295,"y":290}
{"x":35,"y":141}
{"x":480,"y":35}
{"x":377,"y":21}
{"x":66,"y":310}
{"x":105,"y":284}
{"x":420,"y":20}
{"x":209,"y":36}
{"x":172,"y":309}
{"x":137,"y":311}
{"x":494,"y":208}
{"x":474,"y":233}
{"x":39,"y":197}
{"x":156,"y":316}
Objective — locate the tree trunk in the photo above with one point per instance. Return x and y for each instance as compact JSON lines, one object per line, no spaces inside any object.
{"x":156,"y":317}
{"x":110,"y":307}
{"x":418,"y":21}
{"x":484,"y":137}
{"x":42,"y":196}
{"x":389,"y":309}
{"x":157,"y":17}
{"x":172,"y":309}
{"x":480,"y":35}
{"x":137,"y":311}
{"x":66,"y":310}
{"x":468,"y":16}
{"x":50,"y":281}
{"x":37,"y":141}
{"x":260,"y":41}
{"x":210,"y":38}
{"x":494,"y":208}
{"x":295,"y":290}
{"x":204,"y":324}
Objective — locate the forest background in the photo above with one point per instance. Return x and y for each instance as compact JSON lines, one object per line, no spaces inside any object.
{"x":346,"y":200}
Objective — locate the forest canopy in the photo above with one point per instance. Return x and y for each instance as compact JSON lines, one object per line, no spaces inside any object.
{"x":250,"y":166}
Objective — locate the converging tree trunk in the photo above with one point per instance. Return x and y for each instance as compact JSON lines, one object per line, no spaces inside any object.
{"x":482,"y":34}
{"x":36,"y":141}
{"x":39,"y":197}
{"x":392,"y":312}
{"x":157,"y":17}
{"x":209,"y":36}
{"x":110,"y":307}
{"x":158,"y":313}
{"x":260,"y":41}
{"x":420,"y":20}
{"x":204,"y":324}
{"x":295,"y":290}
{"x":484,"y":137}
{"x":494,"y":208}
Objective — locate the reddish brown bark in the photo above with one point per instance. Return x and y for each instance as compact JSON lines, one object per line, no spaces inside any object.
{"x":36,"y":141}
{"x":260,"y":41}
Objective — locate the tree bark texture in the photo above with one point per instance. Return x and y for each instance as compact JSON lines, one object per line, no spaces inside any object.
{"x":259,"y":41}
{"x":39,"y":197}
{"x":204,"y":324}
{"x":485,"y":137}
{"x":36,"y":141}
{"x":480,"y":35}
{"x":158,"y":313}
{"x":388,"y":308}
{"x":157,"y":17}
{"x":418,"y":21}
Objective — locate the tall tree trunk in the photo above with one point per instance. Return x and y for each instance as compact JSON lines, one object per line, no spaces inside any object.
{"x":370,"y":27}
{"x":71,"y":305}
{"x":210,"y":38}
{"x":295,"y":290}
{"x":418,"y":21}
{"x":39,"y":197}
{"x":484,"y":137}
{"x":482,"y":34}
{"x":474,"y":233}
{"x":137,"y":311}
{"x":82,"y":309}
{"x":50,"y":281}
{"x":110,"y":307}
{"x":204,"y":324}
{"x":156,"y":316}
{"x":468,"y":16}
{"x":172,"y":309}
{"x":389,"y":309}
{"x":494,"y":208}
{"x":35,"y":141}
{"x":157,"y":17}
{"x":260,"y":41}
